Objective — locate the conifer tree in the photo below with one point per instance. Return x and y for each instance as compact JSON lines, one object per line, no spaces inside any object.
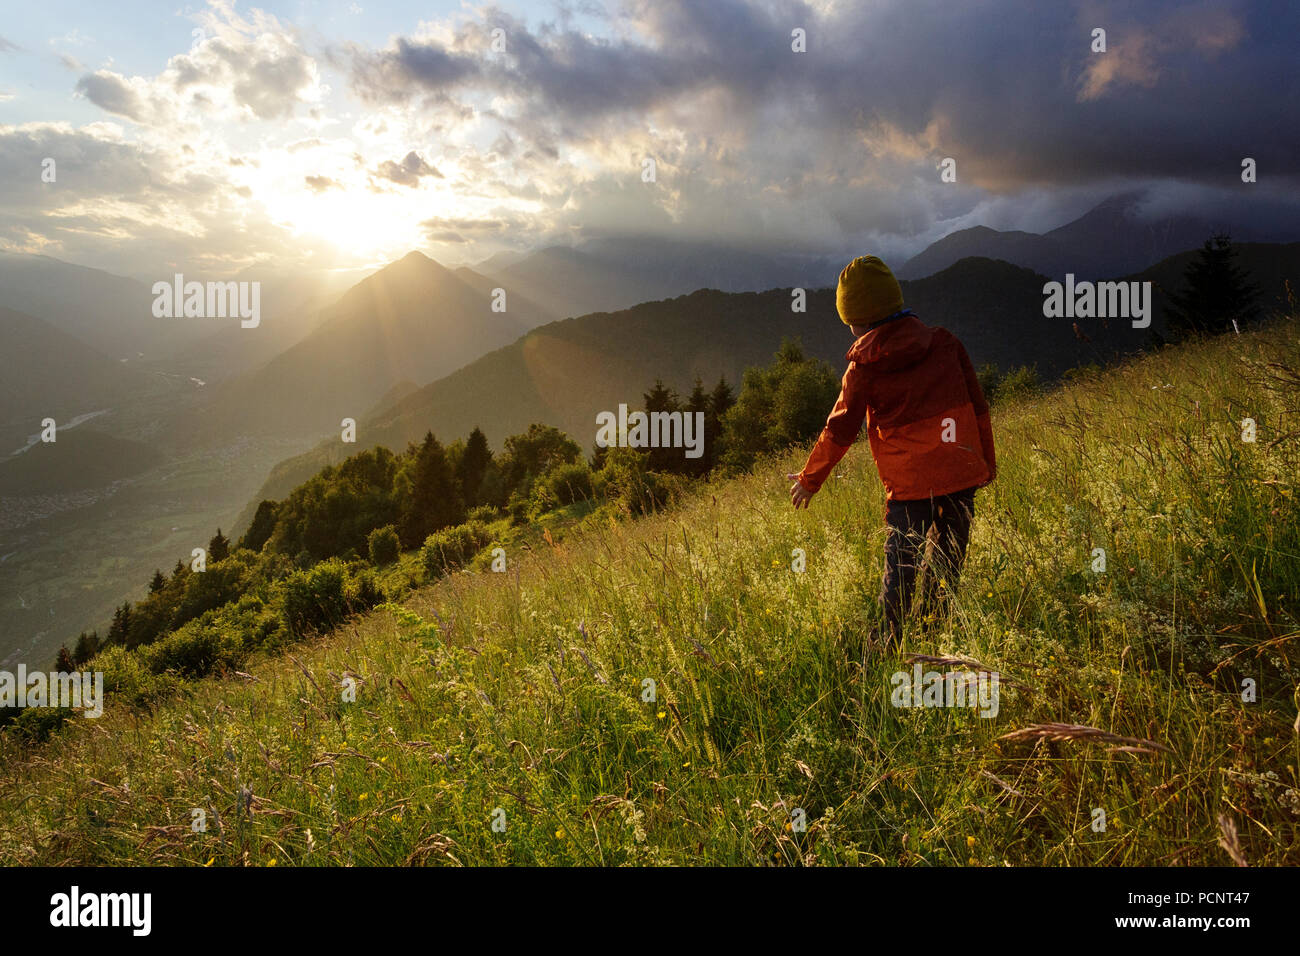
{"x":434,"y":499}
{"x":473,"y":466}
{"x":218,"y":547}
{"x":663,"y":399}
{"x":87,"y":646}
{"x":1216,"y":292}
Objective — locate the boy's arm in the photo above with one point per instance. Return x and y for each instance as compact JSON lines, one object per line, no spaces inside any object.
{"x":842,"y":428}
{"x":981,"y":411}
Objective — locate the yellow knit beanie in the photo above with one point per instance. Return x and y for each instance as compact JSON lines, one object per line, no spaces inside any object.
{"x":867,"y":292}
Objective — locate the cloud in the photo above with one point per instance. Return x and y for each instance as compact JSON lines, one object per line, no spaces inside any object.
{"x":1131,"y":61}
{"x":397,"y":74}
{"x":132,"y":208}
{"x":826,"y":151}
{"x":133,"y":99}
{"x":319,"y":184}
{"x":8,"y":47}
{"x":1019,"y":99}
{"x":239,"y":69}
{"x":408,"y":172}
{"x":466,"y":229}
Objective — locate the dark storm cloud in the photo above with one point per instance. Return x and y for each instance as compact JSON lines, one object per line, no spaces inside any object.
{"x":1016,"y":96}
{"x":1010,"y":90}
{"x":720,"y":42}
{"x":408,"y":68}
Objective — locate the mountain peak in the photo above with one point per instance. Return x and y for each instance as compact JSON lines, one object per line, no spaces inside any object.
{"x":415,"y":257}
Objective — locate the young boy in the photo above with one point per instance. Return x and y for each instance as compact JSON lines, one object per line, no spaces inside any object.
{"x":929,"y":428}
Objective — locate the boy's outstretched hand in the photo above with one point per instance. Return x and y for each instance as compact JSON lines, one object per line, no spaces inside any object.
{"x":799,"y":495}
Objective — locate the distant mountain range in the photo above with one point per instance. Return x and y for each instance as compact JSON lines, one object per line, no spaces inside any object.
{"x":49,"y":373}
{"x":563,"y":373}
{"x":111,"y":314}
{"x":1112,"y":239}
{"x":414,"y":320}
{"x":619,"y":273}
{"x":114,"y":315}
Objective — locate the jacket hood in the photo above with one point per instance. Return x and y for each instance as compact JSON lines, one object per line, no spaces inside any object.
{"x":894,"y":345}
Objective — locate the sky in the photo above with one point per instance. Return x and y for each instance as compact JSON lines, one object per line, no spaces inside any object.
{"x":218,"y":136}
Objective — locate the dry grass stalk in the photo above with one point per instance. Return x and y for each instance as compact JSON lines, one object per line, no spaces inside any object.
{"x":1230,"y":841}
{"x":1087,"y":734}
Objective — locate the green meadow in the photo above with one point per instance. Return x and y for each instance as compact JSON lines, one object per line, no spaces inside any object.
{"x":672,"y":690}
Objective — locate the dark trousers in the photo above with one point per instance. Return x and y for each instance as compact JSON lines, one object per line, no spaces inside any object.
{"x":945,"y":518}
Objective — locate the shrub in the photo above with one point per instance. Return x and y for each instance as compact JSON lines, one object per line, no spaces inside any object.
{"x":34,"y":725}
{"x":362,"y":591}
{"x":220,"y":583}
{"x":988,"y":377}
{"x":517,"y":507}
{"x":1019,"y":383}
{"x":781,"y":404}
{"x":452,"y":548}
{"x":563,"y":484}
{"x":314,"y":600}
{"x":128,"y":679}
{"x":196,"y":650}
{"x":632,"y":488}
{"x":383,"y":545}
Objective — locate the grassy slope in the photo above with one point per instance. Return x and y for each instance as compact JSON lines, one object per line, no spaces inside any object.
{"x":523,"y":690}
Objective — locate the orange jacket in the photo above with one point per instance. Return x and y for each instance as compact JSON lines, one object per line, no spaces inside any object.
{"x":925,"y":413}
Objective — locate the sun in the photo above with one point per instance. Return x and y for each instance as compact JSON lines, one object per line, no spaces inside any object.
{"x":357,"y":221}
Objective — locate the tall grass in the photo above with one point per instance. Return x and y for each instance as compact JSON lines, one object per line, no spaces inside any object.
{"x":524,"y":691}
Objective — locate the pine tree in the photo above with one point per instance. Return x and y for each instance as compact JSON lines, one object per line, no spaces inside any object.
{"x":63,"y":664}
{"x":121,"y":626}
{"x":261,"y":528}
{"x":218,"y":547}
{"x":663,"y":399}
{"x":473,"y":466}
{"x":158,"y":583}
{"x":434,"y":500}
{"x":1216,"y":292}
{"x":720,"y":400}
{"x":699,"y":402}
{"x":87,"y":647}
